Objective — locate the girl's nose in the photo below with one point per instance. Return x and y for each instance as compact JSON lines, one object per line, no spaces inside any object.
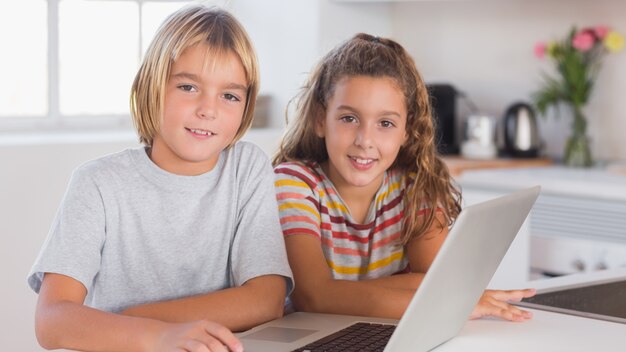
{"x":364,"y":137}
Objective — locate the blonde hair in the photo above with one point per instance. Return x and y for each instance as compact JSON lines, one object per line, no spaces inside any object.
{"x":191,"y":25}
{"x":366,"y":55}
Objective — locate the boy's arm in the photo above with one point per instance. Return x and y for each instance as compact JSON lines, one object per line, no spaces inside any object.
{"x":62,"y":321}
{"x":258,"y":300}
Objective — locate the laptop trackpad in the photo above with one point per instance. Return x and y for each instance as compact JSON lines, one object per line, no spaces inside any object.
{"x":277,"y":334}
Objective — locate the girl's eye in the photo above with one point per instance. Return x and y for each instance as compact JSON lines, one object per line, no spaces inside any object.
{"x":231,"y":97}
{"x":187,"y":87}
{"x":386,"y":124}
{"x":349,"y":119}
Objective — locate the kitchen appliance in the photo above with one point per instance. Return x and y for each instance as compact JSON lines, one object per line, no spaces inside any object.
{"x":479,"y":137}
{"x":443,"y":99}
{"x":520,"y":133}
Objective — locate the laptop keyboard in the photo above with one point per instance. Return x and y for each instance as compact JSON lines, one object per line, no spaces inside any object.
{"x":356,"y":337}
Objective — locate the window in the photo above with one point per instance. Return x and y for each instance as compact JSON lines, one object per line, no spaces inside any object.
{"x":70,"y":63}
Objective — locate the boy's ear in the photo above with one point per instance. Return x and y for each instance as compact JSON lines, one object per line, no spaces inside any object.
{"x":320,"y":123}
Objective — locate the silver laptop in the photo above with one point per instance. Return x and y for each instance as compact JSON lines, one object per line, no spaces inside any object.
{"x":441,"y":306}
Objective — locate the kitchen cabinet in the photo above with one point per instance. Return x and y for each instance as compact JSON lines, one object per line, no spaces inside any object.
{"x":514,"y":267}
{"x":578,"y":223}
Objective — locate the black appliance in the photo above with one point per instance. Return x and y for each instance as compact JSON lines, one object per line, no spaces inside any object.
{"x":521,"y":134}
{"x":443,"y":99}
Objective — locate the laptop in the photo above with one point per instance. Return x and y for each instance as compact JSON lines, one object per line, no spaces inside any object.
{"x":468,"y":258}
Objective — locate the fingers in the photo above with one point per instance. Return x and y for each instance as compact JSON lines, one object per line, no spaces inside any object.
{"x":512,"y":295}
{"x":199,"y":336}
{"x":493,"y":303}
{"x":507,"y":311}
{"x":225,"y":336}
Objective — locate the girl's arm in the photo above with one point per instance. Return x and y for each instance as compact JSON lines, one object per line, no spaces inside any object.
{"x":257,"y":301}
{"x":62,"y":321}
{"x":317,"y":291}
{"x":388,"y":297}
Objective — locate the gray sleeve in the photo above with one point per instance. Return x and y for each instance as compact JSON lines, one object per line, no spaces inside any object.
{"x":258,"y":248}
{"x":73,"y":246}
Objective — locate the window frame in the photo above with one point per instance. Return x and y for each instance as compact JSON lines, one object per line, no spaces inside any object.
{"x":54,"y":120}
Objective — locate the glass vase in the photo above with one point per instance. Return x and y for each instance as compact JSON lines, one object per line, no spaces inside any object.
{"x":577,"y":147}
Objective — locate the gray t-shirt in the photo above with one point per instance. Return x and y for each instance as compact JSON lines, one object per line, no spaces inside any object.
{"x":133,"y":233}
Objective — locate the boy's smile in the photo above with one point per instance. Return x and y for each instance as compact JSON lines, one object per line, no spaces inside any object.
{"x":205,"y":99}
{"x":364,"y":128}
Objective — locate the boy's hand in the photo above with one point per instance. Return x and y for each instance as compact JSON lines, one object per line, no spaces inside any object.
{"x":494,"y":303}
{"x":198,"y":336}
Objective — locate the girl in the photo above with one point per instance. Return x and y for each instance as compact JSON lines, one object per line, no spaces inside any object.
{"x":364,"y":200}
{"x":167,"y":247}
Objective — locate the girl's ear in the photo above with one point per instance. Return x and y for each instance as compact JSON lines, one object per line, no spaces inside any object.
{"x":320,"y":123}
{"x":405,"y":138}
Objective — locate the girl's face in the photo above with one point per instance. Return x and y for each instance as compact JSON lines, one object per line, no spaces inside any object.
{"x":364,"y":127}
{"x":204,"y":104}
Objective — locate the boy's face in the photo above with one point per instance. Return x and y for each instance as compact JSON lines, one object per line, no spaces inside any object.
{"x":364,"y":127}
{"x":204,"y":104}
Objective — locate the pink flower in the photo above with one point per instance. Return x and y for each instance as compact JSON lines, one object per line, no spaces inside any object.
{"x":601,"y":31}
{"x":540,"y":50}
{"x":583,"y":41}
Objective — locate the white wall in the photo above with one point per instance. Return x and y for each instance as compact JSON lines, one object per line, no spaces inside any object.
{"x":285,"y":34}
{"x":32,"y":181}
{"x":486,"y":49}
{"x":290,"y":36}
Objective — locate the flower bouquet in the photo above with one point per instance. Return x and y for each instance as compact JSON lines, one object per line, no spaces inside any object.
{"x":578,"y":59}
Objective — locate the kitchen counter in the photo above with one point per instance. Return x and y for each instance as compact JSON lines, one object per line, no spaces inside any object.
{"x":547,"y":331}
{"x":457,"y":164}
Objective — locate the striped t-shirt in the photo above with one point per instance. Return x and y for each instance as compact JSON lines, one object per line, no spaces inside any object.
{"x":310,"y":205}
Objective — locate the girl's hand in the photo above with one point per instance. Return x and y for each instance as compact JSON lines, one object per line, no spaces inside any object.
{"x":198,"y":336}
{"x":494,"y":303}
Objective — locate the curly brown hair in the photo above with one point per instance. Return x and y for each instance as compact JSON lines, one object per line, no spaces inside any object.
{"x":367,"y":55}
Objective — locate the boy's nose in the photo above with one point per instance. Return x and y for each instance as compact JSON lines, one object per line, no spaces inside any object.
{"x":207,"y":108}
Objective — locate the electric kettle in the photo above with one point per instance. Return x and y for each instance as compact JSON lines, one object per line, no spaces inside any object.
{"x":521,"y":135}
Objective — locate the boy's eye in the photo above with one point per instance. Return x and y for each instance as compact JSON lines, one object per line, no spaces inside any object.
{"x":386,"y":124}
{"x":186,"y":87}
{"x":231,"y":97}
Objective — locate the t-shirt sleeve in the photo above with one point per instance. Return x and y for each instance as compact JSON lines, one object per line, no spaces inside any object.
{"x":74,"y":243}
{"x":258,"y":248}
{"x":297,"y":202}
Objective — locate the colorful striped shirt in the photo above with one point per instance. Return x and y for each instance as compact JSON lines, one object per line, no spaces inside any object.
{"x":310,"y":205}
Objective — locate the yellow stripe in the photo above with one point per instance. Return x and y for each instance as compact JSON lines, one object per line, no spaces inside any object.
{"x":289,"y":206}
{"x":363,"y":270}
{"x":337,"y":205}
{"x":392,"y":187}
{"x":294,"y":183}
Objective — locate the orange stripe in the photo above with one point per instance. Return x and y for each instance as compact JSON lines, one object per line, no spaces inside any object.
{"x":300,"y":231}
{"x":297,"y":218}
{"x":289,"y":195}
{"x":363,"y":253}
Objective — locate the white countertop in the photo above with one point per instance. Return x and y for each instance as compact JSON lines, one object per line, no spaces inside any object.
{"x":546,"y":331}
{"x":593,"y":182}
